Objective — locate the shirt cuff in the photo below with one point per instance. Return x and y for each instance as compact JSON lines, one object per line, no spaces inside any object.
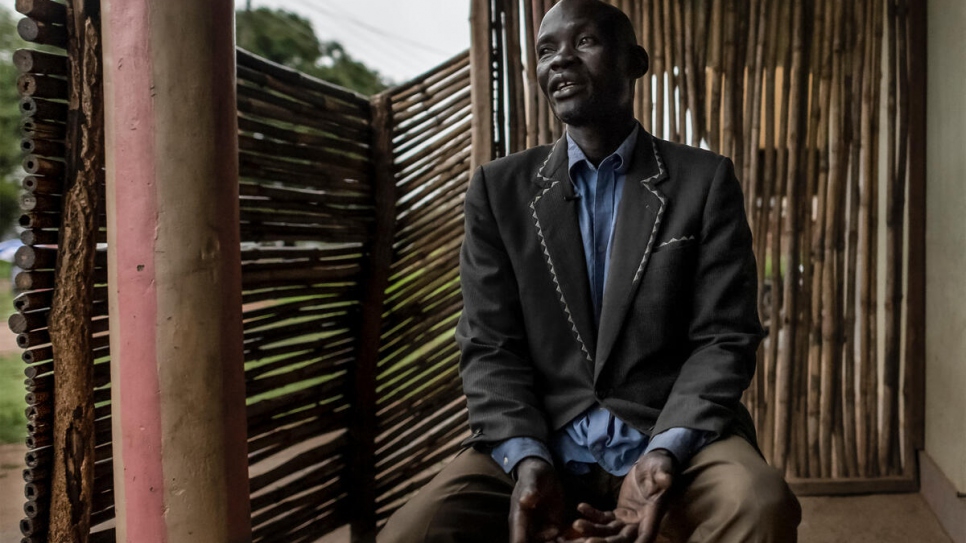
{"x":682,"y":443}
{"x":509,"y":453}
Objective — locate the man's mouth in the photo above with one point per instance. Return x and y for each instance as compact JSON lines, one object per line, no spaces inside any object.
{"x":565,"y":89}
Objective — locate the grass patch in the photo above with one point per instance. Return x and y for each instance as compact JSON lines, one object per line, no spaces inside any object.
{"x":12,"y":419}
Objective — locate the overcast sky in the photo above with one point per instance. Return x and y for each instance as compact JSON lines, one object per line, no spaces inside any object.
{"x":399,"y":38}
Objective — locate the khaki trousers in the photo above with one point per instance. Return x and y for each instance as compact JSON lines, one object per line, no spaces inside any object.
{"x":726,"y":494}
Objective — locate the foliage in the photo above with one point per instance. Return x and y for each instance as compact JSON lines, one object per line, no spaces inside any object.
{"x":10,"y":156}
{"x":289,"y":39}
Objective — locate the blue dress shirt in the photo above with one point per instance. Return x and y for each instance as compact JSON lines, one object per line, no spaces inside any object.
{"x":596,"y":435}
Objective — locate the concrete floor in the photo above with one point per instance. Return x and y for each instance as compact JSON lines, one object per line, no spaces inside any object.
{"x":882,"y":518}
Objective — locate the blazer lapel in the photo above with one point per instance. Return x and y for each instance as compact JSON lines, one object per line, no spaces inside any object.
{"x":555,"y":218}
{"x":638,"y":222}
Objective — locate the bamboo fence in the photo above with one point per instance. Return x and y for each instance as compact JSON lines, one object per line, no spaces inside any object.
{"x":811,"y":99}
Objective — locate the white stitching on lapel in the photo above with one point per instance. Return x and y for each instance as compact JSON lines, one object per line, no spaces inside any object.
{"x":672,"y":241}
{"x":546,"y":255}
{"x":646,"y":183}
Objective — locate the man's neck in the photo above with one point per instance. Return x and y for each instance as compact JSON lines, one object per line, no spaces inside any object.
{"x":601,"y":140}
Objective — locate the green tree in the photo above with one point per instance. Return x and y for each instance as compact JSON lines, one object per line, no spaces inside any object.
{"x":289,"y":39}
{"x":10,"y":156}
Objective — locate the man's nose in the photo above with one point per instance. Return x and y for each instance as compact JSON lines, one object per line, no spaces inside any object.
{"x":562,"y":58}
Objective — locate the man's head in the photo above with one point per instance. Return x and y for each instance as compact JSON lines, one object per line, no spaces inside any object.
{"x":587,"y":61}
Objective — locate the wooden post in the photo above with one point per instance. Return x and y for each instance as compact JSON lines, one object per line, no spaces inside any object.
{"x":70,"y":316}
{"x":174,"y":270}
{"x":362,"y":431}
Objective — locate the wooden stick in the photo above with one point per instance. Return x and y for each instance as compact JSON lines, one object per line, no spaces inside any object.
{"x":786,"y":392}
{"x":657,"y":64}
{"x":36,"y":31}
{"x":715,"y":139}
{"x":41,"y":86}
{"x":30,"y":61}
{"x":667,"y":46}
{"x":765,"y":230}
{"x":889,"y":440}
{"x":849,"y":412}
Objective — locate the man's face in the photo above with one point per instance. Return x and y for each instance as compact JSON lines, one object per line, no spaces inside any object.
{"x":582,"y":66}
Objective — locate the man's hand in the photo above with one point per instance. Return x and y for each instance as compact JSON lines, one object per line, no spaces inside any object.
{"x":537,"y":503}
{"x":640,"y":506}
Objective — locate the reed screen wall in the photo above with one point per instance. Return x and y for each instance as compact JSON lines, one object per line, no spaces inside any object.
{"x":306,"y":192}
{"x":812,"y":101}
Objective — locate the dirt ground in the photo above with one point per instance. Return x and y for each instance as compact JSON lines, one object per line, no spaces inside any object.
{"x":11,"y":490}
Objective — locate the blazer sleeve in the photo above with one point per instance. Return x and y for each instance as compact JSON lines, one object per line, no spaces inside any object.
{"x":725,"y":329}
{"x":498,"y":378}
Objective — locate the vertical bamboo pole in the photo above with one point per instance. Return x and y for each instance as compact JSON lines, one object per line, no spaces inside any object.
{"x":715,"y":138}
{"x":481,"y":87}
{"x":749,"y":74}
{"x":738,"y":91}
{"x":70,"y":315}
{"x":889,"y":452}
{"x":753,"y":179}
{"x":753,"y":125}
{"x":865,"y":413}
{"x":692,"y":69}
{"x":730,"y":77}
{"x":646,"y":38}
{"x":532,"y":88}
{"x":516,"y":133}
{"x":657,"y":62}
{"x":786,"y":391}
{"x":704,"y":40}
{"x":817,"y":442}
{"x":767,"y":230}
{"x":667,"y":41}
{"x":682,"y":67}
{"x":831,"y":307}
{"x":913,"y":108}
{"x":872,"y":385}
{"x":850,"y":412}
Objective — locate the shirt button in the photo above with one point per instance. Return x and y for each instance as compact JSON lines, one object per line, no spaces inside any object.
{"x":506,"y":461}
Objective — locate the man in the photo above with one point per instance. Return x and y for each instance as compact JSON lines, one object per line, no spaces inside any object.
{"x":609,"y":329}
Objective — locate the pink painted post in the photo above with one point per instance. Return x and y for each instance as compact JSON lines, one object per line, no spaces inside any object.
{"x":175,"y":271}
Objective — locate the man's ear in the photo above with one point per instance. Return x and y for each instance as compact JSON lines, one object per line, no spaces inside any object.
{"x":638,"y":61}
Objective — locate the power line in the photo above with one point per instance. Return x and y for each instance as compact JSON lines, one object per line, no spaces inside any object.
{"x":380,"y":32}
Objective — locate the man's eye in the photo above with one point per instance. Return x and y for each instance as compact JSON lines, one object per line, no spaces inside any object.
{"x":586,"y":40}
{"x":544,"y":51}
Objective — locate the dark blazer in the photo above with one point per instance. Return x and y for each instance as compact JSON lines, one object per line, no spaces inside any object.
{"x":679,"y":325}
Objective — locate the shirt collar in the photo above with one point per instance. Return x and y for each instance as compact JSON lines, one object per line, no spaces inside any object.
{"x":622,"y":156}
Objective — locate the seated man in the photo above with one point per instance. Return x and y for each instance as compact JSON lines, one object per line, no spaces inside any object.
{"x":609,"y":329}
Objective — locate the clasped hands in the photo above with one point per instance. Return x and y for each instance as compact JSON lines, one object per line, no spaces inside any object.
{"x":537,"y":505}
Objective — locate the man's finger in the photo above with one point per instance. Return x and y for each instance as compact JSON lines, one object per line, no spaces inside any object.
{"x":588,"y":528}
{"x":595,"y":515}
{"x":651,"y":515}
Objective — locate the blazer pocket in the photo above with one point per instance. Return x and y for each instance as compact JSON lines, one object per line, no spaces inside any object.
{"x":670,"y":255}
